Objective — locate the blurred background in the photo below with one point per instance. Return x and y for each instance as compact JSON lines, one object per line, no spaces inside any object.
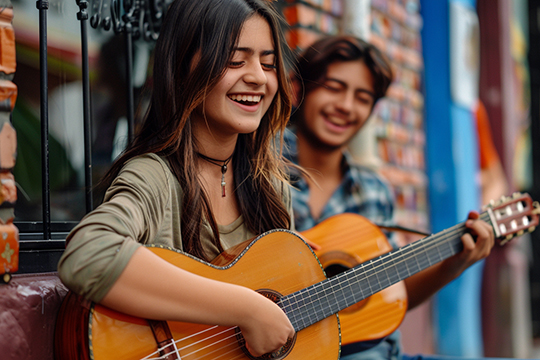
{"x":457,"y":129}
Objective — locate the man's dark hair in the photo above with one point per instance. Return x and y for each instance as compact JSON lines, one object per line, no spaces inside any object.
{"x":314,"y":61}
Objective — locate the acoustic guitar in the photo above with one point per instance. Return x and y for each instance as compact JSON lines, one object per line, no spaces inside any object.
{"x":281,"y":266}
{"x":348,"y":240}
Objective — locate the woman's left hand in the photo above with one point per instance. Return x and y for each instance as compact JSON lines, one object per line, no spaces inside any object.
{"x":473,"y":251}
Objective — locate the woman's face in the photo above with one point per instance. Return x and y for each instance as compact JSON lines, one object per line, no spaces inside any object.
{"x":238,"y":102}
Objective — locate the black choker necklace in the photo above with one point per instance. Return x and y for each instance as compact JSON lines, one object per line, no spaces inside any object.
{"x":222,"y":164}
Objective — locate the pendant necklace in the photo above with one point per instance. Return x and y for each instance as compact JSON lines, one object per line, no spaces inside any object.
{"x":220,"y":163}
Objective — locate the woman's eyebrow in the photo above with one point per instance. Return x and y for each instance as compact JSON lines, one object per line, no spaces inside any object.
{"x":250,"y":51}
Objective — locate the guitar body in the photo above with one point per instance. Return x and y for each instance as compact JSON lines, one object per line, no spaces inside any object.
{"x":348,"y":240}
{"x":282,"y":267}
{"x":370,"y":296}
{"x":278,"y":261}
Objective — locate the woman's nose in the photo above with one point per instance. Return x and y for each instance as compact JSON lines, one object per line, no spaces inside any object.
{"x":255,"y":74}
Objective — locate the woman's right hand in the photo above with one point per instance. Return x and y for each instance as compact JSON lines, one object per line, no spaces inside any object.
{"x":266,"y":328}
{"x":197,"y":299}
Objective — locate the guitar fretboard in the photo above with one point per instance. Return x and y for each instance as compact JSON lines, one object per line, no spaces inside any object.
{"x":328,"y":297}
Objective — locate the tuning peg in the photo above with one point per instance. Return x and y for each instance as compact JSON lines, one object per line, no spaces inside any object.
{"x":506,"y":239}
{"x":536,"y":206}
{"x":500,"y":201}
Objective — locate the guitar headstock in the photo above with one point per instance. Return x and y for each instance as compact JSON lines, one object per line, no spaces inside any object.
{"x":513,"y":216}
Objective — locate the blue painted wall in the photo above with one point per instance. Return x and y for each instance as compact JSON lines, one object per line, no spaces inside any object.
{"x":452,"y":166}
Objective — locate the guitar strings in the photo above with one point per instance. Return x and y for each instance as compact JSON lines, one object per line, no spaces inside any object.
{"x":403,"y":256}
{"x":365,"y":275}
{"x":175,"y":342}
{"x":235,"y":344}
{"x":186,"y":338}
{"x":221,"y":354}
{"x":214,"y":343}
{"x":234,"y":335}
{"x":430,"y":243}
{"x":427,"y":245}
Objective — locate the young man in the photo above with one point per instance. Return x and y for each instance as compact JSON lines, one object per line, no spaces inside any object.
{"x":338,"y":81}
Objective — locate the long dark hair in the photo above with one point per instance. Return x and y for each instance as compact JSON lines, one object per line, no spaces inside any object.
{"x":209,"y":30}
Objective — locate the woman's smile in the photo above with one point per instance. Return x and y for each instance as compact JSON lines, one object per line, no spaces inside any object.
{"x":247,"y":102}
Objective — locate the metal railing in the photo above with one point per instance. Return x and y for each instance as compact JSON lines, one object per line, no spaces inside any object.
{"x":42,"y":243}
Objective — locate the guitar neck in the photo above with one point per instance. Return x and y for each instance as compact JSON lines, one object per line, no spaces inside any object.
{"x":316,"y":302}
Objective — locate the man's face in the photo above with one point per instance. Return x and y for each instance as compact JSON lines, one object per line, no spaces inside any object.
{"x":336,"y":110}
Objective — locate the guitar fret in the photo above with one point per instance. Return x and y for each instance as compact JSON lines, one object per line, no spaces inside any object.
{"x":439,"y":253}
{"x":447,"y":250}
{"x":300,"y":310}
{"x":396,"y":272}
{"x":427,"y":258}
{"x":424,"y":261}
{"x":418,"y":267}
{"x":408,"y":271}
{"x":321,"y":308}
{"x":295,"y":303}
{"x":311,"y":308}
{"x":335,"y":291}
{"x":303,"y":307}
{"x":382,"y":279}
{"x":355,"y":288}
{"x":315,"y":306}
{"x":389,"y":281}
{"x":332,"y":295}
{"x":377,"y":278}
{"x":349,"y":289}
{"x":322,"y":302}
{"x":370,"y":272}
{"x":342,"y":296}
{"x":373,"y":276}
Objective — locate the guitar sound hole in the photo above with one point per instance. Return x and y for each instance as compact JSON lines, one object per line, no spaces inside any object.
{"x":334,"y":269}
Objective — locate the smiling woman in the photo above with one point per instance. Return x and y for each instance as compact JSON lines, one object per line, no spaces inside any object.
{"x":236,"y":105}
{"x":220,"y":96}
{"x":238,"y":102}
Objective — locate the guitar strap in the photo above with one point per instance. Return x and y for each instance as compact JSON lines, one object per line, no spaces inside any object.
{"x":165,"y":342}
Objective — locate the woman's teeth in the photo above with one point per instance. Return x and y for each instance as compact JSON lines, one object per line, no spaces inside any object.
{"x":246,"y":98}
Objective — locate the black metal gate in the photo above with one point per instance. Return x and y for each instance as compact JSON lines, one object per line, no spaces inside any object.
{"x":42,"y":242}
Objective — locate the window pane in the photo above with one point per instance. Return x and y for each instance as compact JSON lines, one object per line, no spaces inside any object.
{"x":65,"y":104}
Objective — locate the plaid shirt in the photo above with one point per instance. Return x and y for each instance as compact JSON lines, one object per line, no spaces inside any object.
{"x":362,"y":191}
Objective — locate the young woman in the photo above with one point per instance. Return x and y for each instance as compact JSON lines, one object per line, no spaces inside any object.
{"x":203,"y":174}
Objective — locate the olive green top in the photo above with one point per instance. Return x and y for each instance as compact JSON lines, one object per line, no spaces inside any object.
{"x":142,"y":206}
